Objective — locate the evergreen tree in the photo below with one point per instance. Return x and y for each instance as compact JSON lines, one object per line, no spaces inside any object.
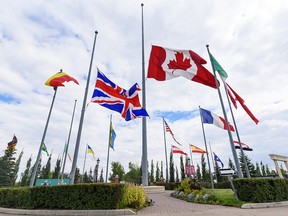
{"x":85,"y":177}
{"x":161,"y":172}
{"x":257,"y":170}
{"x":177,"y":175}
{"x":267,"y":170}
{"x":134,"y":174}
{"x":117,"y":169}
{"x":198,"y":172}
{"x":46,"y":170}
{"x":263,"y":169}
{"x":205,"y":174}
{"x":217,"y":173}
{"x":157,"y":177}
{"x":7,"y":167}
{"x":77,"y":178}
{"x":152,"y":179}
{"x":250,"y":165}
{"x":231,"y":165}
{"x":90,"y":176}
{"x":16,"y":169}
{"x":171,"y":169}
{"x":182,"y":170}
{"x":57,"y":168}
{"x":101,"y":179}
{"x":25,"y":176}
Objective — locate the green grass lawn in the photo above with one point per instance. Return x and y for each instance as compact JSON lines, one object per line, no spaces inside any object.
{"x":226,"y":197}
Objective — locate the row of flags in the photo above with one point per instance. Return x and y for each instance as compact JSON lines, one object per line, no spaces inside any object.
{"x":194,"y":149}
{"x":164,"y":64}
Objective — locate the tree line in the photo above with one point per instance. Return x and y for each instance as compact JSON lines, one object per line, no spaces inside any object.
{"x":9,"y":170}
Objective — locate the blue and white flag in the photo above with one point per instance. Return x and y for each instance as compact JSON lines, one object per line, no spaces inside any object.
{"x":217,"y":159}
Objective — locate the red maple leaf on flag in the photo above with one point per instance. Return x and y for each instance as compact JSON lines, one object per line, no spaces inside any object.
{"x":180,"y":62}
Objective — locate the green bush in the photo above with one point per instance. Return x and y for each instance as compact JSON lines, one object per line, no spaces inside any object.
{"x":188,"y":185}
{"x":168,"y":185}
{"x":80,"y":196}
{"x":134,"y":197}
{"x":261,"y":189}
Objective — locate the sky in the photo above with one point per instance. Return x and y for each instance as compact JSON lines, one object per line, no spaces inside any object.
{"x":37,"y":39}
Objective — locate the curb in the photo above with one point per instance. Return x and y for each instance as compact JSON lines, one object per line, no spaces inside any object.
{"x":264,"y":205}
{"x":67,"y":212}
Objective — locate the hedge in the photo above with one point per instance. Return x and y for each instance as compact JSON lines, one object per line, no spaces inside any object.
{"x":80,"y":196}
{"x":261,"y":189}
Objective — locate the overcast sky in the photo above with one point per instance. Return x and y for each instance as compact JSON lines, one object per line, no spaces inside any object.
{"x":37,"y":39}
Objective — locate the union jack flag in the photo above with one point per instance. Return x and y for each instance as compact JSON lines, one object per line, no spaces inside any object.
{"x":113,"y":97}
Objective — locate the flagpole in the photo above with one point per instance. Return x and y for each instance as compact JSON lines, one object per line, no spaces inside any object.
{"x":68,"y":141}
{"x":213,"y":162}
{"x":237,"y":133}
{"x":61,"y":163}
{"x":144,"y":125}
{"x":86,"y":149}
{"x":75,"y":157}
{"x":165,"y":150}
{"x":236,"y":160}
{"x":211,"y":178}
{"x":191,"y":154}
{"x":108,"y":151}
{"x":33,"y":177}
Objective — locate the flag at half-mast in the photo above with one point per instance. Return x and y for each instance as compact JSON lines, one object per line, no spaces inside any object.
{"x":165,"y":64}
{"x":44,"y":148}
{"x":90,"y":150}
{"x":177,"y":150}
{"x":195,"y":149}
{"x":12,"y":144}
{"x":112,"y":136}
{"x":168,"y":129}
{"x":235,"y":97}
{"x":210,"y":118}
{"x":59,"y":78}
{"x":217,"y":159}
{"x":113,"y":97}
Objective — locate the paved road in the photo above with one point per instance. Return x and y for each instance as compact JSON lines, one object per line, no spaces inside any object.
{"x":166,"y":205}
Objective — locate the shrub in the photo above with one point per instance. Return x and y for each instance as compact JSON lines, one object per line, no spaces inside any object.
{"x":80,"y":196}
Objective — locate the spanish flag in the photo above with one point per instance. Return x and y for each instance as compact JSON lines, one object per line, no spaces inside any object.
{"x":195,"y":149}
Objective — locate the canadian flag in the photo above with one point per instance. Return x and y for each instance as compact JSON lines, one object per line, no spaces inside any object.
{"x":165,"y":64}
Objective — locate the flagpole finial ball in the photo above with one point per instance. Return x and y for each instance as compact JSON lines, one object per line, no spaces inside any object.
{"x":96,"y":32}
{"x":61,"y":70}
{"x":142,"y":4}
{"x":207,"y":45}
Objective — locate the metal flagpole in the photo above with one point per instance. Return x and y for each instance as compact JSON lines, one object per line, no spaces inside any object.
{"x":75,"y":157}
{"x":236,"y":160}
{"x":210,"y":173}
{"x":191,"y":154}
{"x":86,"y":149}
{"x":108,"y":151}
{"x":144,"y":125}
{"x":33,"y":177}
{"x":164,"y":129}
{"x":236,"y":130}
{"x":67,"y":145}
{"x":61,"y":163}
{"x":213,"y":162}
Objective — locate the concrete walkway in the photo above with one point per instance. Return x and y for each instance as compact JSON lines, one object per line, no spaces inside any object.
{"x":166,"y":206}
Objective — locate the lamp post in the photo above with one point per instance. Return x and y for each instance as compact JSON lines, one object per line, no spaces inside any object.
{"x":97,"y":167}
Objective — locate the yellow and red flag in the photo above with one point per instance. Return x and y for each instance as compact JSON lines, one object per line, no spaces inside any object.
{"x":195,"y":149}
{"x":59,"y":78}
